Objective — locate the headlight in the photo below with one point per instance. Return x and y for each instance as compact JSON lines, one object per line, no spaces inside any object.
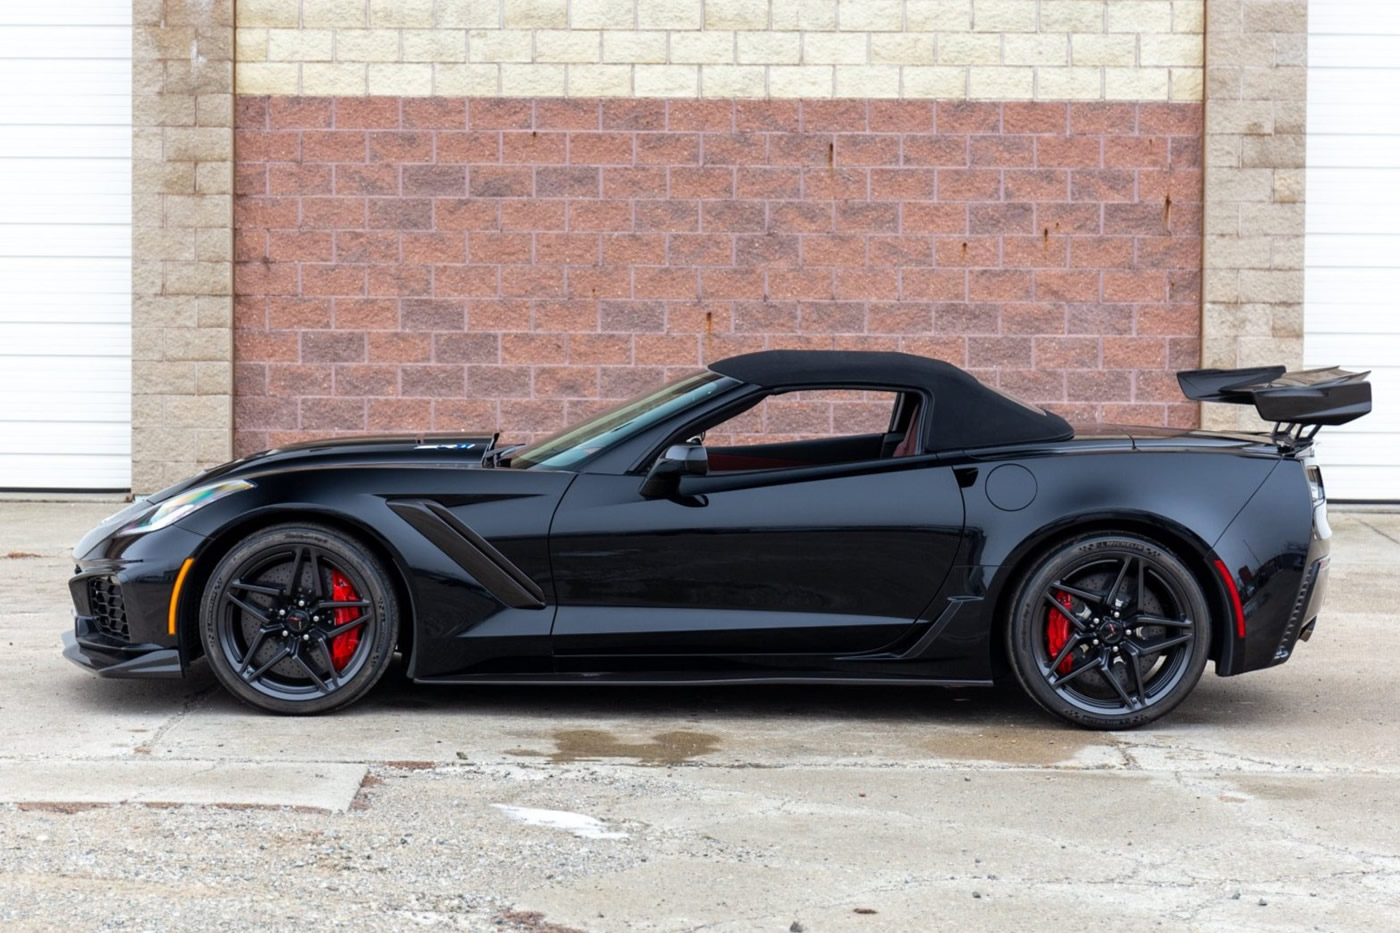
{"x":177,"y":507}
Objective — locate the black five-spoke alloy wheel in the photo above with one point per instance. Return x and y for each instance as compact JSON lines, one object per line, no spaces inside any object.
{"x":299,"y":619}
{"x":1109,"y":632}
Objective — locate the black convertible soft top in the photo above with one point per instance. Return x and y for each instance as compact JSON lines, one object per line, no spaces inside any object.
{"x":965,"y":412}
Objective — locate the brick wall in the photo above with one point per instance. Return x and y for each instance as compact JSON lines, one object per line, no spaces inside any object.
{"x":449,"y":263}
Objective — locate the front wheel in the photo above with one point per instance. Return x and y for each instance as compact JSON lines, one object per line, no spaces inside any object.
{"x":1109,"y":632}
{"x":299,"y":619}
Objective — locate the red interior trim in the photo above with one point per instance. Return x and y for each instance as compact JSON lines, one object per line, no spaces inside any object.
{"x":1234,"y":595}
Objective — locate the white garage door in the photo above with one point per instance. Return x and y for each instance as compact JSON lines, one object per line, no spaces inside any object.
{"x":1352,"y":291}
{"x":65,"y":244}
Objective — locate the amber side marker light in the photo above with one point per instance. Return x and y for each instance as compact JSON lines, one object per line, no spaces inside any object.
{"x":1224,"y":575}
{"x":180,"y":581}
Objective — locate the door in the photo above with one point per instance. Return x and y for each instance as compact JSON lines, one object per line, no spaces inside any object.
{"x":65,"y":245}
{"x":813,"y":560}
{"x":1352,"y":248}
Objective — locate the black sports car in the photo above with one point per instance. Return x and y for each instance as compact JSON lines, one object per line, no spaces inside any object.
{"x":958,"y":536}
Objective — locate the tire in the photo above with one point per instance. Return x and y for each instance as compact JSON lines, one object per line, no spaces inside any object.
{"x":1074,"y":657}
{"x":299,"y":646}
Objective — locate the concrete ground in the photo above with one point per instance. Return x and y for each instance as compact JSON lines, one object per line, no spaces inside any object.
{"x":1270,"y":801}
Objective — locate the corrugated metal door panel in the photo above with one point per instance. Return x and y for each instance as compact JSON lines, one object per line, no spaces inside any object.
{"x":65,"y":245}
{"x":1352,"y":258}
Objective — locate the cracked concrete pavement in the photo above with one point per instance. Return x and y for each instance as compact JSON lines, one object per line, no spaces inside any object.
{"x":1269,"y":801}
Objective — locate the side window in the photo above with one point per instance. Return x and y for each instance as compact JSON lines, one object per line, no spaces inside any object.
{"x":808,"y":428}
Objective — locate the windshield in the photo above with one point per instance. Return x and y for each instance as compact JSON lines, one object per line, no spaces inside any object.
{"x":573,"y":445}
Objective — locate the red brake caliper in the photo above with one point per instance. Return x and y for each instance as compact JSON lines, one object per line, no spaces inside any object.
{"x":343,"y":646}
{"x":1057,"y":631}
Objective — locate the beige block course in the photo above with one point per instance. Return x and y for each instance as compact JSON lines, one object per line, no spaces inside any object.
{"x":412,"y":13}
{"x":934,"y":82}
{"x":333,"y":13}
{"x":534,"y":80}
{"x":328,"y":80}
{"x":532,"y":14}
{"x":500,"y":45}
{"x":1135,"y":83}
{"x":1186,"y":84}
{"x":712,"y":47}
{"x":800,"y":80}
{"x":908,"y":48}
{"x":369,"y":45}
{"x":870,"y":15}
{"x":300,"y":45}
{"x":641,"y":48}
{"x":1071,"y":15}
{"x":214,"y":110}
{"x":214,"y":378}
{"x":163,"y":377}
{"x":459,"y":14}
{"x":213,"y":244}
{"x":149,"y":176}
{"x":198,"y":144}
{"x":1035,"y":49}
{"x":1142,"y":16}
{"x":804,"y":14}
{"x":938,"y":15}
{"x":270,"y":78}
{"x":835,"y":48}
{"x":434,"y":45}
{"x":666,"y":80}
{"x":672,"y":14}
{"x":774,"y":48}
{"x":1289,"y":186}
{"x":564,"y":45}
{"x":466,"y":80}
{"x":742,"y":81}
{"x":600,"y":81}
{"x":268,"y":12}
{"x":735,"y":14}
{"x":1004,"y":15}
{"x":602,"y":14}
{"x":166,"y":243}
{"x":199,"y":278}
{"x":1179,"y":50}
{"x":874,"y":81}
{"x":1188,"y":16}
{"x":1119,"y":51}
{"x":1068,"y":83}
{"x":392,"y":79}
{"x":1281,"y":84}
{"x":1289,"y":16}
{"x":969,"y":50}
{"x":198,"y":210}
{"x":1000,"y":83}
{"x":251,"y":45}
{"x":163,"y":110}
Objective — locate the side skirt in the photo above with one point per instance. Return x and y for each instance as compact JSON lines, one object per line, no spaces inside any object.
{"x":698,"y":680}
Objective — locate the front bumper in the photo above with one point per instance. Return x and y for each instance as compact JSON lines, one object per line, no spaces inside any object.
{"x":122,"y":604}
{"x":107,"y":658}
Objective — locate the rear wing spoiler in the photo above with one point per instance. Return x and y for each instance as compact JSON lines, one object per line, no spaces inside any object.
{"x":1299,"y":403}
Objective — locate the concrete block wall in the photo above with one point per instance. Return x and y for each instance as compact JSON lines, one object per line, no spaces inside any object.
{"x":182,"y":208}
{"x":480,"y":215}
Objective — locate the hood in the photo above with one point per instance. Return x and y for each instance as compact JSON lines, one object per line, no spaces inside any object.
{"x":398,"y":450}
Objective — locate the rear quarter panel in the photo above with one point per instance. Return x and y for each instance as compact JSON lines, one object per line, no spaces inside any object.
{"x":1185,"y":499}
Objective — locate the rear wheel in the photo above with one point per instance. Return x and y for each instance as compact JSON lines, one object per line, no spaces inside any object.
{"x":1109,"y":632}
{"x":299,"y":619}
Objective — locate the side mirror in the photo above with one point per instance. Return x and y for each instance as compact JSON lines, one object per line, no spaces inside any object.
{"x":664,"y":477}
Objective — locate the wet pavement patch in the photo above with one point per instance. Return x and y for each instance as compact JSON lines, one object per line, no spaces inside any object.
{"x":665,"y":748}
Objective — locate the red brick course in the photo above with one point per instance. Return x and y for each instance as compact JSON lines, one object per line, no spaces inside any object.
{"x":453,"y":264}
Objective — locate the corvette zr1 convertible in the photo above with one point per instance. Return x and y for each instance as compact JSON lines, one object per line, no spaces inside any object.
{"x":968,"y":536}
